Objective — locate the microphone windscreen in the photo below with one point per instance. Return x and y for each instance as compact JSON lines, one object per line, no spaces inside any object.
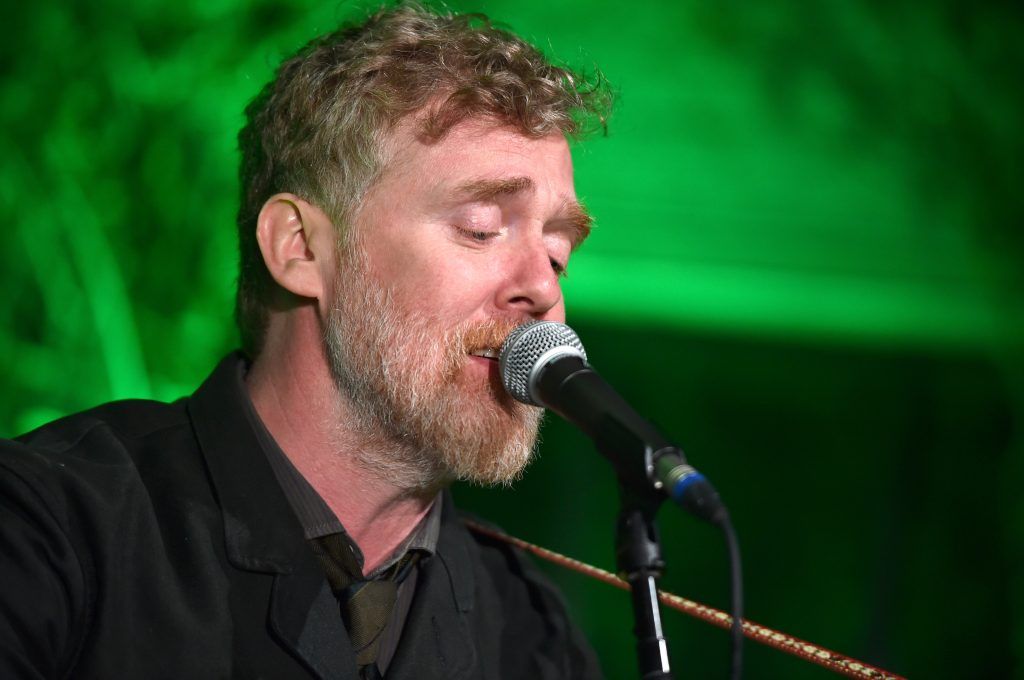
{"x":528,"y":348}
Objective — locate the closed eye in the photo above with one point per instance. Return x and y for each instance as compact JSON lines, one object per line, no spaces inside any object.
{"x":559,"y":268}
{"x":478,"y":236}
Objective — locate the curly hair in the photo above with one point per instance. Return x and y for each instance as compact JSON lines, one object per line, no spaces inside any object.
{"x":318,"y":128}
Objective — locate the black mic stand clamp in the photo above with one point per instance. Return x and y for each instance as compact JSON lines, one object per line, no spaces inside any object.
{"x":638,"y":558}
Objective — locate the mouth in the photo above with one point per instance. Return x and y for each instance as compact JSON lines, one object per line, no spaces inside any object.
{"x":486,"y":353}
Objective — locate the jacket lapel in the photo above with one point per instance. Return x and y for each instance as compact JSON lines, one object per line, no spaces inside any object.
{"x":438,"y":640}
{"x":304,"y":615}
{"x":260,"y":529}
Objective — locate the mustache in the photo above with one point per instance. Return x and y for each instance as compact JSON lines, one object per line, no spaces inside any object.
{"x":486,"y":335}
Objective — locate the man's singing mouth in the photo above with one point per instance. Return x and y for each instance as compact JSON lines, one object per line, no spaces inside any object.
{"x":487,"y":353}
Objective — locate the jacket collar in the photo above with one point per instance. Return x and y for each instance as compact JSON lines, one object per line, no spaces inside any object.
{"x":260,"y":529}
{"x":261,"y":532}
{"x":438,"y":640}
{"x":455,"y":551}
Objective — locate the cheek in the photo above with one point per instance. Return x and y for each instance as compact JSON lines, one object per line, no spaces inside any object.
{"x":402,"y":264}
{"x":556,"y":313}
{"x":460,"y":287}
{"x":432,"y":281}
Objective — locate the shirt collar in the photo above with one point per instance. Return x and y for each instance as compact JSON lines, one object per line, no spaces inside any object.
{"x":313,"y":513}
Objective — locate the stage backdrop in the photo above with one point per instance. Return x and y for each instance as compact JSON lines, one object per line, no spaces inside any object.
{"x":806,"y":267}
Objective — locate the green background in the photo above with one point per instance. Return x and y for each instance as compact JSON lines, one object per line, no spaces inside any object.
{"x":806,"y":267}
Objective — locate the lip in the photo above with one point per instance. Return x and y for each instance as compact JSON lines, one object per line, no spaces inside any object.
{"x":484,"y":364}
{"x":486,"y":361}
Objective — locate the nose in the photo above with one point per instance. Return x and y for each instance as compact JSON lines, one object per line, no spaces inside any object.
{"x":530,"y":285}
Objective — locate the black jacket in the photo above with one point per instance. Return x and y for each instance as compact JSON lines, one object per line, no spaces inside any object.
{"x":150,"y":540}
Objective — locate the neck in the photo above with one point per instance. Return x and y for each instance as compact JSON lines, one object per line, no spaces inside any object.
{"x":299,"y":404}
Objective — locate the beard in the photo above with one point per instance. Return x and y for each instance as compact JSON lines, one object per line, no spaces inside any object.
{"x":422,"y":419}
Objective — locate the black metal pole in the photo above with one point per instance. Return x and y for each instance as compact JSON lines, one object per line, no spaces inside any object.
{"x":638,"y":554}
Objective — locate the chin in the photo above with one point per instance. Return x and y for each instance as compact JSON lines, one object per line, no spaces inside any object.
{"x":495,"y":447}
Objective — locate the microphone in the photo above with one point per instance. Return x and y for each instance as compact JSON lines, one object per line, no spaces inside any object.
{"x":543,"y":363}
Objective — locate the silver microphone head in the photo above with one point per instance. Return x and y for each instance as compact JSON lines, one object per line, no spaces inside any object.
{"x":529,"y":348}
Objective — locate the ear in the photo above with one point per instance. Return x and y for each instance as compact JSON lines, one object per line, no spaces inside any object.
{"x":295,"y":238}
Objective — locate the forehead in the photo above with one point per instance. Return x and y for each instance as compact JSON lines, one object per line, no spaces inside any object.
{"x":480,"y":152}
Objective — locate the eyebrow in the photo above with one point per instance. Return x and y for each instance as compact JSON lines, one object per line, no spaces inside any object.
{"x":575,"y":216}
{"x":579,"y":221}
{"x":484,"y":190}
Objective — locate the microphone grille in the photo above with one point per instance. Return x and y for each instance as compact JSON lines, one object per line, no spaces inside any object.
{"x":529,"y":346}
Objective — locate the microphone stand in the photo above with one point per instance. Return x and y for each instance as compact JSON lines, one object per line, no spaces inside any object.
{"x":638,"y":557}
{"x":543,"y":363}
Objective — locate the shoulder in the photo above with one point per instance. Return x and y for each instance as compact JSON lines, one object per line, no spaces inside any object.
{"x":65,"y":488}
{"x":95,"y":467}
{"x":513,"y":573}
{"x":500,"y":555}
{"x":531,"y":608}
{"x":118,"y":420}
{"x":103,"y":445}
{"x":102,"y":462}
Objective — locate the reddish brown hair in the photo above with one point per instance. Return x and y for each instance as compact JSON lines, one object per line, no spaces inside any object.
{"x":317,"y":129}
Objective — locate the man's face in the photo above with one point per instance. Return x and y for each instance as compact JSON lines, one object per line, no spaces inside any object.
{"x":456,"y":244}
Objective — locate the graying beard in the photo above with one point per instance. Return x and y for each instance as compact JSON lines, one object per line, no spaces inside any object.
{"x":387,"y":406}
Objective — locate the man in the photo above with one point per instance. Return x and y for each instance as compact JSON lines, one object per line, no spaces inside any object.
{"x":407,"y":199}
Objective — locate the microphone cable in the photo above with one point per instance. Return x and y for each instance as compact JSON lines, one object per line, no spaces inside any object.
{"x":735,"y":596}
